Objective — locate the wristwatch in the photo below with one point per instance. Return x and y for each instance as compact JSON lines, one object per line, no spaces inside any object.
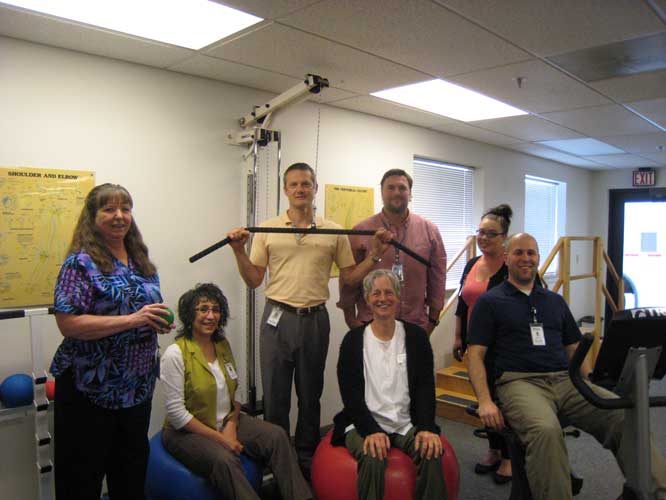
{"x":433,"y":322}
{"x":375,"y":259}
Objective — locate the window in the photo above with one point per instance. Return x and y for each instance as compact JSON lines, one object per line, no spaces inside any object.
{"x":443,"y":194}
{"x":545,"y":203}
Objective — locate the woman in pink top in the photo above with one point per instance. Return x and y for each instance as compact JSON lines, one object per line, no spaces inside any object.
{"x":481,"y":274}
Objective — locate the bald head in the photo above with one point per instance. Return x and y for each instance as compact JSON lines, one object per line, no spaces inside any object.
{"x":522,"y":259}
{"x":521,"y":237}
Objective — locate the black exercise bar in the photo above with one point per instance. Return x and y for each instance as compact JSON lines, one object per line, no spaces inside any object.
{"x":18,"y":313}
{"x":313,"y":230}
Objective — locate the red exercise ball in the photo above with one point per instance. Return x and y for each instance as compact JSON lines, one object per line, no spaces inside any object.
{"x":50,"y":389}
{"x":334,"y":473}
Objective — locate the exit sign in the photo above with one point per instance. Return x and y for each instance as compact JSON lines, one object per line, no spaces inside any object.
{"x":643,"y":177}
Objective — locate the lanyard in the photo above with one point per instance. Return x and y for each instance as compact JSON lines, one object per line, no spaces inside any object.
{"x":402,"y":240}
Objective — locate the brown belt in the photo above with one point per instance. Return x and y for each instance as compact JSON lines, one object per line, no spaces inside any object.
{"x":299,"y":311}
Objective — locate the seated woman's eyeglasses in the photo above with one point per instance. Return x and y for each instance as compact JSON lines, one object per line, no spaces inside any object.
{"x":487,"y":234}
{"x":205,"y":310}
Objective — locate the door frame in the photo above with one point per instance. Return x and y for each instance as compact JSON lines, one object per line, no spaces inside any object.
{"x":615,"y":244}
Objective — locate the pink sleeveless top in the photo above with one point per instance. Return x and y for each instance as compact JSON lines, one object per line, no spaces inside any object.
{"x":473,"y":289}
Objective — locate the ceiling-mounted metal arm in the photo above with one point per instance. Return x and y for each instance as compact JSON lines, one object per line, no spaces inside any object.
{"x":311,"y":85}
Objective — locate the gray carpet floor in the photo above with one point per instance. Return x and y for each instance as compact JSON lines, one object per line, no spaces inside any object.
{"x":602,"y":477}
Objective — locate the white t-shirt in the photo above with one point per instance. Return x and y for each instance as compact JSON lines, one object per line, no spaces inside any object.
{"x":386,"y":384}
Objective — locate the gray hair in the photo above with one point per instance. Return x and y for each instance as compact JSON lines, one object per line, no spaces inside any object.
{"x":369,"y":281}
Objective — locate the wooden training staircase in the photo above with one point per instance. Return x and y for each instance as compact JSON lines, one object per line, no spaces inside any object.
{"x":453,"y":389}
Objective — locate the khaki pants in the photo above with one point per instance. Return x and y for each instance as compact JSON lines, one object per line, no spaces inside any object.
{"x":430,"y":483}
{"x":262,"y":441}
{"x":533,"y":403}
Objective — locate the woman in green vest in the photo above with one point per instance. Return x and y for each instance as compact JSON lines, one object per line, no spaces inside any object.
{"x":204,"y":427}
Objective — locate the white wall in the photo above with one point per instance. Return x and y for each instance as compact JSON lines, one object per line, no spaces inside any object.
{"x":161,"y":134}
{"x":602,"y":183}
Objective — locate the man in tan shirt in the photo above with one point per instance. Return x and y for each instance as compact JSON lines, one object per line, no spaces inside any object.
{"x":294,"y":332}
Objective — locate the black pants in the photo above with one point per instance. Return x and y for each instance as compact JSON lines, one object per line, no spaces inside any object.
{"x":91,"y":442}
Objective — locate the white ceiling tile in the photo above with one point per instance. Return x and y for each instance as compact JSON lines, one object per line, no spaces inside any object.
{"x":240,"y":74}
{"x":625,"y":160}
{"x":659,"y":158}
{"x":653,"y":109}
{"x":380,"y":107}
{"x":267,"y":10}
{"x":227,"y":71}
{"x":475,"y":133}
{"x":418,"y":34}
{"x":543,"y":88}
{"x":18,"y":23}
{"x":602,"y":121}
{"x":642,"y":143}
{"x":584,"y":146}
{"x":638,"y":87}
{"x":527,"y":128}
{"x":549,"y":27}
{"x":551,"y":154}
{"x":292,"y":52}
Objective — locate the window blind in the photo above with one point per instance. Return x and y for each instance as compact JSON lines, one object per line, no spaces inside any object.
{"x":443,"y":194}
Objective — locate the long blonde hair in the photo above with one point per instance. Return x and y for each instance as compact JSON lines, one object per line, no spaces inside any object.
{"x":86,"y":236}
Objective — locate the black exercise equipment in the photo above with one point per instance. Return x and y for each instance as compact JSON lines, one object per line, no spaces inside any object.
{"x":310,"y":230}
{"x":632,"y":352}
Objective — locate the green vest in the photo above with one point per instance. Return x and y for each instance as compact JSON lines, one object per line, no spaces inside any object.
{"x":199,"y":381}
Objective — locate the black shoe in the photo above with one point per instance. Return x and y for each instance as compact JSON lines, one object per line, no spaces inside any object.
{"x":501,"y":478}
{"x":486,"y":468}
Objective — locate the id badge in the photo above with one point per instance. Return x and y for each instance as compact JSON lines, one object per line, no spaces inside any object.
{"x":274,"y":317}
{"x":397,"y":270}
{"x":230,"y":371}
{"x":538,"y":337}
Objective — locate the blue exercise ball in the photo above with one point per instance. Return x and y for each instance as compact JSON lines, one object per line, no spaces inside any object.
{"x":168,"y":479}
{"x":17,"y":390}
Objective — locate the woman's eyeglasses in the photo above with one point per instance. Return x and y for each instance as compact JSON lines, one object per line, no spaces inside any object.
{"x":487,"y":234}
{"x":205,"y":310}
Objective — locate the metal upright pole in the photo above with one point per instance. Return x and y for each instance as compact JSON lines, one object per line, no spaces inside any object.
{"x":279,"y":168}
{"x":250,"y":295}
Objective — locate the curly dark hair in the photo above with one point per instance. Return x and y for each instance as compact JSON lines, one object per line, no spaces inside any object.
{"x":86,"y":236}
{"x":502,"y":214}
{"x":187,"y":305}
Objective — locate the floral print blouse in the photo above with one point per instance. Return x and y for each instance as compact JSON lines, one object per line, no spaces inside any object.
{"x":118,"y":371}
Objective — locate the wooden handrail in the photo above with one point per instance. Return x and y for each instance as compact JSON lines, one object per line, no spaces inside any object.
{"x":549,"y":259}
{"x":610,"y":299}
{"x":470,"y":240}
{"x":611,"y":268}
{"x":470,"y":250}
{"x":582,"y":276}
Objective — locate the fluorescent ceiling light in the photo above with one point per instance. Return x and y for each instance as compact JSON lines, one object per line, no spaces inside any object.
{"x":187,"y":23}
{"x":584,"y":147}
{"x":446,"y":99}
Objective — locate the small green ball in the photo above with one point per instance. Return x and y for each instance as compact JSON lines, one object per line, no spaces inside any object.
{"x":169,"y":316}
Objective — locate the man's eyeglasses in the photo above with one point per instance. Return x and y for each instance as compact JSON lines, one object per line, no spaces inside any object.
{"x":487,"y":234}
{"x":205,"y":310}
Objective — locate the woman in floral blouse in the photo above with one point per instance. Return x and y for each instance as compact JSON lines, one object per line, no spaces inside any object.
{"x":108,"y":308}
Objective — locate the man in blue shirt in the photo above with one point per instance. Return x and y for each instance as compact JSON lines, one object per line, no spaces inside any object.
{"x":531,"y":336}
